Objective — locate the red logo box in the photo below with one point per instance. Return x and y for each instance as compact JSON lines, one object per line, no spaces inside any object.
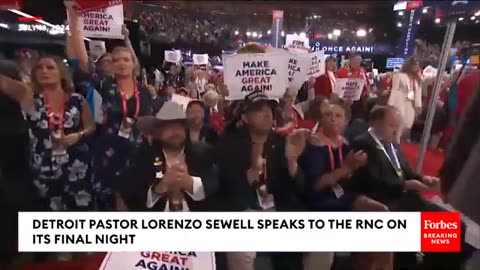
{"x":441,"y":232}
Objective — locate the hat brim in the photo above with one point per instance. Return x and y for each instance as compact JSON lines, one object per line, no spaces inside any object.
{"x":273,"y":103}
{"x":146,"y":124}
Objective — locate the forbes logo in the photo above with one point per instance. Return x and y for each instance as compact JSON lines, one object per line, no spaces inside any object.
{"x":442,"y":225}
{"x":441,"y":231}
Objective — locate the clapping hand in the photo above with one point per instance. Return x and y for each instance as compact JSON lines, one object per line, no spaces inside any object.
{"x":415,"y":185}
{"x":180,"y":174}
{"x":295,"y":144}
{"x":431,"y":181}
{"x":355,"y":160}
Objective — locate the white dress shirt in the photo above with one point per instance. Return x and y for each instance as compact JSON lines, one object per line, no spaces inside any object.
{"x":214,"y":109}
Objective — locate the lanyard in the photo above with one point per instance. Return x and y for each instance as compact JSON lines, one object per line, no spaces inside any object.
{"x":380,"y":146}
{"x":329,"y":144}
{"x":55,"y":124}
{"x":332,"y":157}
{"x":124,"y":103}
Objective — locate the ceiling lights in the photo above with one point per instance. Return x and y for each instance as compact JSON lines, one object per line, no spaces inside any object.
{"x":361,"y":33}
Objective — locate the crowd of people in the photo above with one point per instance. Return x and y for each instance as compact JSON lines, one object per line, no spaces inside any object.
{"x":164,"y":26}
{"x":114,"y":139}
{"x":216,"y":27}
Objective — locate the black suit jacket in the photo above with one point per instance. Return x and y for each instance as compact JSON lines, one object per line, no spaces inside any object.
{"x":207,"y":134}
{"x":233,"y":160}
{"x":137,"y":180}
{"x":378,"y":179}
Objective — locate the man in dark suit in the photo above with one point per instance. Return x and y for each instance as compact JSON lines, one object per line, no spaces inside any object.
{"x":387,"y":175}
{"x":388,"y":178}
{"x":169,"y":174}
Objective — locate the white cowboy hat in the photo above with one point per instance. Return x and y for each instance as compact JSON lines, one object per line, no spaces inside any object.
{"x":170,"y":111}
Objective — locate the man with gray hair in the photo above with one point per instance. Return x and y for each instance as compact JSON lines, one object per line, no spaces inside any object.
{"x":210,"y":98}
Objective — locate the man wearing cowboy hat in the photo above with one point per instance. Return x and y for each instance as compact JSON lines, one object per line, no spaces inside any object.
{"x":169,"y":173}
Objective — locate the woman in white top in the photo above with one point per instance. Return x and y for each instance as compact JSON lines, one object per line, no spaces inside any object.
{"x":406,"y":95}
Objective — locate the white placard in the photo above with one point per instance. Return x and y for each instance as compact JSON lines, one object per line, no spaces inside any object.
{"x":266,"y":72}
{"x":159,"y":260}
{"x":298,"y":65}
{"x":200,"y":59}
{"x":97,"y":48}
{"x":349,"y":89}
{"x":173,"y":56}
{"x":317,"y":65}
{"x":181,"y":100}
{"x":103,"y":23}
{"x":297,"y":42}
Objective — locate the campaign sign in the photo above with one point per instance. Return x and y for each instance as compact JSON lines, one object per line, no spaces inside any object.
{"x":89,"y":5}
{"x":181,"y":100}
{"x":103,"y":23}
{"x":173,"y":56}
{"x":246,"y":73}
{"x":159,"y":261}
{"x":349,"y":89}
{"x":200,"y":59}
{"x":298,"y":66}
{"x":317,"y":65}
{"x":97,"y":48}
{"x":297,"y":42}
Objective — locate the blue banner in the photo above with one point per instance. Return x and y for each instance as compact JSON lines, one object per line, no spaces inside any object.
{"x":345,"y":49}
{"x":406,"y":44}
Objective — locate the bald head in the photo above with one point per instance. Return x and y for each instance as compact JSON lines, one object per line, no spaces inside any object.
{"x":386,"y":120}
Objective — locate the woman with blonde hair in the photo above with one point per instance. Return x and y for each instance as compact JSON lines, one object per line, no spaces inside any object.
{"x":123,"y":102}
{"x":60,"y":120}
{"x":406,"y":95}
